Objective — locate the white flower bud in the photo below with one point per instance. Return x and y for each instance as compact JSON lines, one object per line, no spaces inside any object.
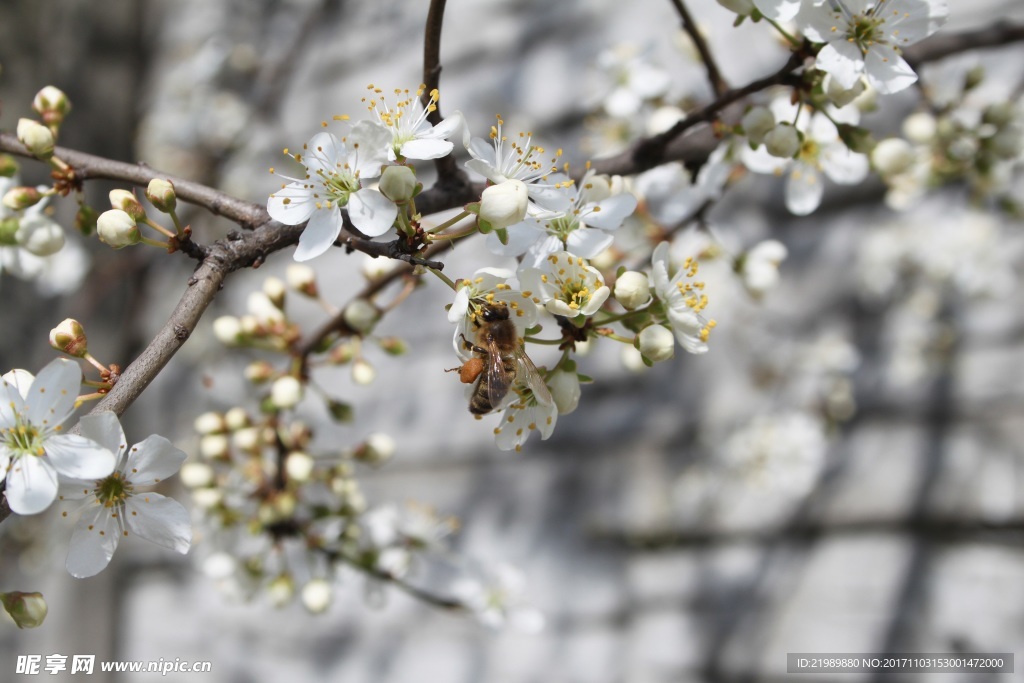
{"x":657,"y":343}
{"x":27,"y":609}
{"x":375,"y":268}
{"x":397,"y":183}
{"x":52,"y":104}
{"x":20,"y":198}
{"x":196,"y":475}
{"x":565,"y":390}
{"x":214,"y":446}
{"x":631,"y":359}
{"x":299,"y":466}
{"x":363,"y":372}
{"x":633,"y":290}
{"x":782,"y":141}
{"x":206,"y":498}
{"x":760,"y":270}
{"x":209,"y":423}
{"x":127,"y":202}
{"x":36,"y":137}
{"x":161,"y":194}
{"x":377,"y":448}
{"x":281,"y":590}
{"x":259,"y":371}
{"x":504,"y":204}
{"x":118,"y":229}
{"x":301,"y":278}
{"x":317,"y":595}
{"x":236,"y":419}
{"x":756,"y":124}
{"x":69,"y":337}
{"x":892,"y":156}
{"x":361,"y":316}
{"x":920,"y":127}
{"x":275,"y":291}
{"x":39,"y":235}
{"x":246,"y":439}
{"x":286,"y":392}
{"x":227,"y":329}
{"x":263,"y":308}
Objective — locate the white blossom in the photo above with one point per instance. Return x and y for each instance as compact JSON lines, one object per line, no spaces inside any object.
{"x":33,"y":447}
{"x":565,"y":285}
{"x":113,"y":504}
{"x":684,"y":298}
{"x":335,"y":172}
{"x":412,"y":135}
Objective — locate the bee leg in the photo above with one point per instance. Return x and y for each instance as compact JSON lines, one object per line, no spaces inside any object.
{"x":472,"y":347}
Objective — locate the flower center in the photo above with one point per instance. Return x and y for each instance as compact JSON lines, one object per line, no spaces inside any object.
{"x":113,"y":490}
{"x":864,"y":31}
{"x":407,"y":116}
{"x":338,"y":185}
{"x":23,"y":438}
{"x":520,"y":161}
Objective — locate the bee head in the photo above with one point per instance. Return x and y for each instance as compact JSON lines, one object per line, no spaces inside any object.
{"x":492,"y":313}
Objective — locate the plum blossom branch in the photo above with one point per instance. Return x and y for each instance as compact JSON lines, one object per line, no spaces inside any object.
{"x":718,"y":83}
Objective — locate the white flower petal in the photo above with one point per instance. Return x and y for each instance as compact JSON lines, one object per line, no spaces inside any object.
{"x":293,"y":204}
{"x":888,"y":72}
{"x":609,"y":213}
{"x":843,"y":166}
{"x":319,"y":234}
{"x":105,"y":429}
{"x":460,"y":306}
{"x":152,"y":461}
{"x":370,"y":142}
{"x":587,"y":242}
{"x":31,"y":485}
{"x":426,"y":148}
{"x":20,"y":380}
{"x":159,"y":520}
{"x":371,"y":212}
{"x":843,"y":60}
{"x":93,"y":543}
{"x":75,"y":456}
{"x":804,"y":189}
{"x":521,"y":237}
{"x":51,"y":400}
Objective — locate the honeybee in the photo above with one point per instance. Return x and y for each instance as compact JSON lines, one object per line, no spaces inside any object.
{"x":500,"y":361}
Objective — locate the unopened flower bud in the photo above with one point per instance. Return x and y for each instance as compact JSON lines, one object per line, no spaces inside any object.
{"x":920,"y":127}
{"x":281,"y":590}
{"x":377,"y":448}
{"x":363,"y":372}
{"x":207,"y":497}
{"x":302,"y":279}
{"x":263,"y":307}
{"x":196,"y":475}
{"x":19,"y":198}
{"x":782,"y":141}
{"x":841,"y":96}
{"x":299,"y":466}
{"x":656,"y":343}
{"x":361,"y":316}
{"x":317,"y":595}
{"x":209,"y":423}
{"x":393,"y":346}
{"x":214,"y":446}
{"x":227,"y":329}
{"x":375,"y":268}
{"x":27,"y":609}
{"x":504,"y":204}
{"x":52,"y":104}
{"x":286,"y":392}
{"x":69,"y":338}
{"x":259,"y":371}
{"x":126,"y":201}
{"x":236,"y":419}
{"x":118,"y":229}
{"x":39,"y":235}
{"x":8,"y":166}
{"x":275,"y":291}
{"x":36,"y":137}
{"x":633,"y":290}
{"x":565,"y":390}
{"x":398,"y":183}
{"x":246,"y":439}
{"x":161,"y":194}
{"x":756,"y":124}
{"x":759,"y":267}
{"x":892,"y":156}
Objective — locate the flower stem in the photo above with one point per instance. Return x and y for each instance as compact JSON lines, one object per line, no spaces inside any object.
{"x":449,"y":223}
{"x":444,"y":278}
{"x":785,"y":34}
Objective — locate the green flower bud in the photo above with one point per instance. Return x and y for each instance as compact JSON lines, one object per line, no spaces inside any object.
{"x":36,"y":137}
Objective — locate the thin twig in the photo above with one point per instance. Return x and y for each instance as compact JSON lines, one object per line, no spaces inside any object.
{"x":718,"y":84}
{"x":448,"y":172}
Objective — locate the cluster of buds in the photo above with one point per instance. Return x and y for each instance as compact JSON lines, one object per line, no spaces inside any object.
{"x":120,"y":226}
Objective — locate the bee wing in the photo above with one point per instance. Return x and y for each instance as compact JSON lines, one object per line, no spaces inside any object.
{"x":497,"y":378}
{"x":529,"y":375}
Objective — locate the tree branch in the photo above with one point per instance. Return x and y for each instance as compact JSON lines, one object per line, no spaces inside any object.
{"x":448,"y":172}
{"x":718,"y":84}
